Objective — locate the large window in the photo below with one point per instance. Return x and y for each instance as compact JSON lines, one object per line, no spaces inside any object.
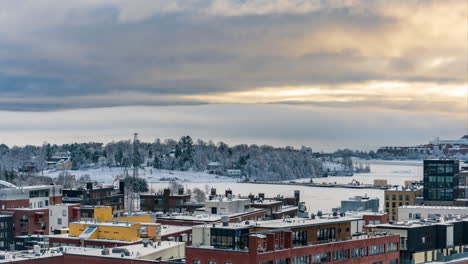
{"x":300,"y":238}
{"x":359,"y":252}
{"x":376,"y":249}
{"x":301,"y":260}
{"x":340,"y":255}
{"x":229,"y":238}
{"x":325,"y":234}
{"x":392,"y":247}
{"x":321,"y":258}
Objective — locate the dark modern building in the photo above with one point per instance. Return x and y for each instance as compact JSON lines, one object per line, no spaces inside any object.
{"x":6,"y":232}
{"x":440,"y":180}
{"x":425,"y":241}
{"x":96,"y":195}
{"x":168,"y":202}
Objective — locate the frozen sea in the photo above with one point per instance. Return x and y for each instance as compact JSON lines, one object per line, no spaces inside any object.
{"x":316,"y":198}
{"x":319,"y":198}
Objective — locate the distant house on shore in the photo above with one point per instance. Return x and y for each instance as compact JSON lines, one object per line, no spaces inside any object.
{"x":60,"y":160}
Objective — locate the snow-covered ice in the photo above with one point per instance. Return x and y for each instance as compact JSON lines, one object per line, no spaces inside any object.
{"x":108,"y":174}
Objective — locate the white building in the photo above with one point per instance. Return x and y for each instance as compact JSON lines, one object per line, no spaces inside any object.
{"x":226,"y":205}
{"x":413,"y":212}
{"x":61,"y":214}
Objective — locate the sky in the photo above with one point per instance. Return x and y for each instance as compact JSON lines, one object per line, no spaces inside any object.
{"x":326,"y":74}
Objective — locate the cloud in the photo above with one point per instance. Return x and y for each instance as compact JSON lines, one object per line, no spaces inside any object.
{"x":322,"y":128}
{"x":89,"y":53}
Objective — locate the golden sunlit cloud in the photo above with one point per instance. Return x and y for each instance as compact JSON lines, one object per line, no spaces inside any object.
{"x":422,"y":96}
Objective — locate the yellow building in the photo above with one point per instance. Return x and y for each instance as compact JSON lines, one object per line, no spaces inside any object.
{"x":394,"y":198}
{"x":129,"y":228}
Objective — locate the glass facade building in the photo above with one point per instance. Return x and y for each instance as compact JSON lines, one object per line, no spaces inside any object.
{"x":440,"y":180}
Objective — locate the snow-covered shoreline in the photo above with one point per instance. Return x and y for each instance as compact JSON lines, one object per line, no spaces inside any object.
{"x":108,"y":174}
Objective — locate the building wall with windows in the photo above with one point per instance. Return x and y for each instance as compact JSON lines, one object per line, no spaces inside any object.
{"x":6,"y":232}
{"x":30,"y":221}
{"x":394,"y":198}
{"x":441,"y":180}
{"x":60,"y":215}
{"x":407,"y":213}
{"x":272,"y":248}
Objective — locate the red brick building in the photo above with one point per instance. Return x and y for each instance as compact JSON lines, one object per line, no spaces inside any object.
{"x":277,"y":247}
{"x":30,"y":221}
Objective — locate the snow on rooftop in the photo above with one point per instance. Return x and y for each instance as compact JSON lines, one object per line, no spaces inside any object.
{"x":172,"y":229}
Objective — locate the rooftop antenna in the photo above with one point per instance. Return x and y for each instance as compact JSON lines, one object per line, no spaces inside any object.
{"x":136,"y":164}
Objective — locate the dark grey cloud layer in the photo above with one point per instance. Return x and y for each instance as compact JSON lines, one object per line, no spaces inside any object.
{"x":69,"y":53}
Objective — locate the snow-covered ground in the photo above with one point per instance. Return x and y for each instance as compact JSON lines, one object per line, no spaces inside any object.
{"x":108,"y":174}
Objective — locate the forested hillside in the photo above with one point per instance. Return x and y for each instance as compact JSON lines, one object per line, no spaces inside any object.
{"x":256,"y":162}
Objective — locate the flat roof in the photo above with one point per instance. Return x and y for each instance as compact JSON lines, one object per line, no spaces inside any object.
{"x":207,"y":217}
{"x":137,"y":251}
{"x":173,"y":229}
{"x":267,"y":202}
{"x":289,"y":223}
{"x":435,"y":207}
{"x":298,"y":222}
{"x":110,"y":223}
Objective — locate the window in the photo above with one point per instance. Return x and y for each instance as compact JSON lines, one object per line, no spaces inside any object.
{"x":393,"y":204}
{"x":394,"y":261}
{"x":340,"y":255}
{"x":387,"y":204}
{"x":64,"y":212}
{"x":300,"y":238}
{"x":392,"y":247}
{"x":400,"y":204}
{"x":196,"y":262}
{"x":301,"y":260}
{"x":417,"y":216}
{"x":376,"y":249}
{"x":407,"y":198}
{"x":378,"y":262}
{"x":211,"y":262}
{"x":59,"y":221}
{"x":400,"y":197}
{"x":359,"y":252}
{"x":321,"y":257}
{"x":393,"y":197}
{"x":325,"y":234}
{"x":387,"y":197}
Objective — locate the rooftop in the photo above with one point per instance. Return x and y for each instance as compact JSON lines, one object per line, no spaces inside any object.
{"x":435,"y":207}
{"x":138,"y":251}
{"x":173,"y":229}
{"x":288,"y":223}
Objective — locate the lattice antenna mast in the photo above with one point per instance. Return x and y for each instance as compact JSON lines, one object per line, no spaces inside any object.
{"x":135,"y":201}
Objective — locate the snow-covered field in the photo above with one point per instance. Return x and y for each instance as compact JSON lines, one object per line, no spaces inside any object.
{"x":108,"y":174}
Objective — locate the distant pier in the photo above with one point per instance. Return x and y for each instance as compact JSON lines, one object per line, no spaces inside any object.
{"x":327,"y":185}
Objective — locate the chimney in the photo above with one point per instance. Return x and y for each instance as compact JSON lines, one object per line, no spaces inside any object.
{"x":89,"y":185}
{"x":213,"y":192}
{"x":261,"y":196}
{"x":121,"y":186}
{"x":297,"y":196}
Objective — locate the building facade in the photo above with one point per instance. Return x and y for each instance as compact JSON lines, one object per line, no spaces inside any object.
{"x":396,"y":197}
{"x":96,"y":195}
{"x":292,"y":243}
{"x":440,"y":181}
{"x":168,"y":202}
